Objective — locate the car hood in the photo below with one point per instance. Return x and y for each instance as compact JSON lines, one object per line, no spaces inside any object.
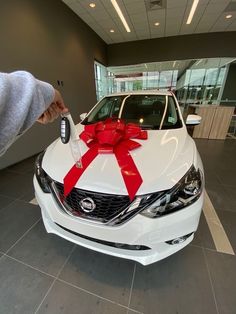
{"x":162,"y":160}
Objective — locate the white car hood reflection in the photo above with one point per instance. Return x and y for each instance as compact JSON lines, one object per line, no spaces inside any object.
{"x":162,"y":161}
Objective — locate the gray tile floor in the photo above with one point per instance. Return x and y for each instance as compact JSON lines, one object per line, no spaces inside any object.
{"x":42,"y":273}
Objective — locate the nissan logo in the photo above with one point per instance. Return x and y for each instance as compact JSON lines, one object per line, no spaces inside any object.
{"x":87,"y":204}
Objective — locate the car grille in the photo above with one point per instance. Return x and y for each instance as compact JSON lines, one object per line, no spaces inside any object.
{"x":107,"y":205}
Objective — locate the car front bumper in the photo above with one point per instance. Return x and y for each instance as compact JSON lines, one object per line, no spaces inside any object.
{"x":140,"y":230}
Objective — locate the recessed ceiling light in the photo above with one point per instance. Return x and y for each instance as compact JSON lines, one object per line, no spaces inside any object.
{"x":112,"y":31}
{"x":92,"y":5}
{"x":192,"y":11}
{"x":228,"y":16}
{"x":121,"y":16}
{"x":157,"y":24}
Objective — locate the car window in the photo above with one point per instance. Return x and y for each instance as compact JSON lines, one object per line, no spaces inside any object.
{"x":144,"y":110}
{"x":108,"y":107}
{"x":171,"y":119}
{"x":149,"y":111}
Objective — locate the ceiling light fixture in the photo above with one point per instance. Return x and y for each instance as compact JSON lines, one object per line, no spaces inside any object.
{"x":228,"y":16}
{"x":174,"y":63}
{"x":92,"y":5}
{"x":157,"y":24}
{"x":120,"y":14}
{"x":192,"y":11}
{"x":112,"y":31}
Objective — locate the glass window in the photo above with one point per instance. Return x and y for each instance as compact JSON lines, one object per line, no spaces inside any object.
{"x":197,"y":76}
{"x":165,"y":79}
{"x":211,"y":77}
{"x":100,"y":80}
{"x":174,"y":79}
{"x":221,"y":76}
{"x":195,"y":81}
{"x":187,"y":77}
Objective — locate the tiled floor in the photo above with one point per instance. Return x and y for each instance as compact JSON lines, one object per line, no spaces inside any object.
{"x":42,"y":273}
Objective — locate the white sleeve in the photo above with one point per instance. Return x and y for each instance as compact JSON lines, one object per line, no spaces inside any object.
{"x":23,"y":99}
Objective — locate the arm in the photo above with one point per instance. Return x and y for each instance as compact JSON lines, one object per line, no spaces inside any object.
{"x":23,"y":100}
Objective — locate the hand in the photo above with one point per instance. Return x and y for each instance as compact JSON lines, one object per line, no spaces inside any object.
{"x":56,"y":108}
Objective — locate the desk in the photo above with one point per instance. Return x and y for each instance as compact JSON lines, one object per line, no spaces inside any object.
{"x":215,"y":121}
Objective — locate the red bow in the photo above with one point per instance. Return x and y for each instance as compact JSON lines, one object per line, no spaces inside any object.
{"x":111,"y":136}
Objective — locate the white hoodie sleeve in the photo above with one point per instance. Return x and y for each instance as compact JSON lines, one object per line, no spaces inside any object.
{"x":23,"y":99}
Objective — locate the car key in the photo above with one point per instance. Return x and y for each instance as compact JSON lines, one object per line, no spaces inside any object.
{"x":65,"y":130}
{"x":69,"y":134}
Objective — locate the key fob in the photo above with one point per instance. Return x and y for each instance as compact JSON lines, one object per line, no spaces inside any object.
{"x":65,"y":130}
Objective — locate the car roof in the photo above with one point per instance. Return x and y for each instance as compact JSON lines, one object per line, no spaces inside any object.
{"x":144,"y":92}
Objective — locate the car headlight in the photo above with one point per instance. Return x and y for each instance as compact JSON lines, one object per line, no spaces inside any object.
{"x":183,"y":194}
{"x":43,"y":179}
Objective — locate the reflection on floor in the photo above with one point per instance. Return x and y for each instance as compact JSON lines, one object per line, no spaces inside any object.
{"x":41,"y":273}
{"x":217,"y":230}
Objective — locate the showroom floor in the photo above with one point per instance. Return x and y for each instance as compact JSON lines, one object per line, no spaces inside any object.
{"x":41,"y":273}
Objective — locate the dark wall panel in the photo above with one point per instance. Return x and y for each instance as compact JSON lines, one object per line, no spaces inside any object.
{"x":173,"y":48}
{"x":230,"y":87}
{"x":49,"y":40}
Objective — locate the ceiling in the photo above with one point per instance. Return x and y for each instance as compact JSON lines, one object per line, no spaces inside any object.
{"x":209,"y":17}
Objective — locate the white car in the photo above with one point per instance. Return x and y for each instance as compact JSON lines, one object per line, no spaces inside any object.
{"x":141,"y":197}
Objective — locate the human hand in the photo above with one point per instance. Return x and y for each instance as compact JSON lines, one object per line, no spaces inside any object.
{"x":56,"y":108}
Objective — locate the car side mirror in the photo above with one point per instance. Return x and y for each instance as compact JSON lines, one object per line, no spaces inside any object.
{"x":83,"y":116}
{"x":193,"y":119}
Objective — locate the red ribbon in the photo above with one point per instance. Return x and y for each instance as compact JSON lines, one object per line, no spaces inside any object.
{"x":111,"y":136}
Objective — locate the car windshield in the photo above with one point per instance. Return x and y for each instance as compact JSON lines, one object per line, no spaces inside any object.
{"x":148,"y":111}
